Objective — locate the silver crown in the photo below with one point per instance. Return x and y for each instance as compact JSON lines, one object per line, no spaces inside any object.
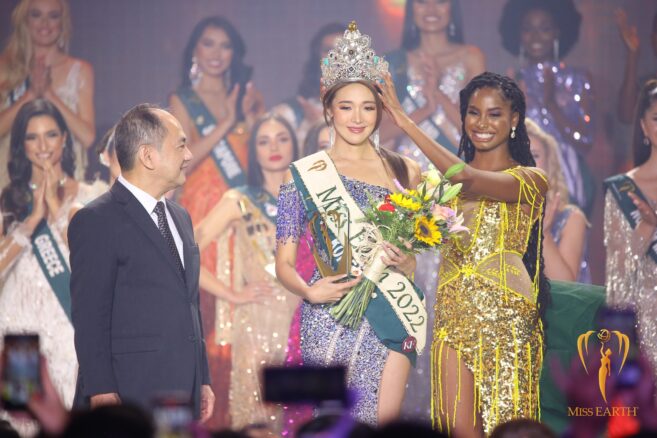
{"x":352,"y":59}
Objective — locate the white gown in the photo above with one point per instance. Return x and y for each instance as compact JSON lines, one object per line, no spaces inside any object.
{"x":28,"y":304}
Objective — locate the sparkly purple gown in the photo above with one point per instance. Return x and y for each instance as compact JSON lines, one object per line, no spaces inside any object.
{"x":323,"y":341}
{"x":571,"y":86}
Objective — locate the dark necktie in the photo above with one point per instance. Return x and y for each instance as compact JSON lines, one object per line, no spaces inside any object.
{"x":163,"y":225}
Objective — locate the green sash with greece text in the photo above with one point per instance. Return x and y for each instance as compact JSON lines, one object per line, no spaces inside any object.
{"x":396,"y":312}
{"x":53,"y":264}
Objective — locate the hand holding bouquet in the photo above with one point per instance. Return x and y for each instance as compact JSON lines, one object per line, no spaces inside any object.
{"x":415,"y":221}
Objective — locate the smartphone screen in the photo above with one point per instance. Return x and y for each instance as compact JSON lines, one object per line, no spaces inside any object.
{"x":305,"y":384}
{"x":20,"y":370}
{"x":173,"y":416}
{"x":623,"y":321}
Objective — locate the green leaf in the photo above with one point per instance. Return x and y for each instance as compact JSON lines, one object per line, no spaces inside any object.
{"x":451,"y":193}
{"x":453,"y":170}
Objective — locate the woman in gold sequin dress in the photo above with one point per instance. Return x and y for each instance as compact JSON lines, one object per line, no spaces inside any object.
{"x":488,"y":338}
{"x":263,"y":308}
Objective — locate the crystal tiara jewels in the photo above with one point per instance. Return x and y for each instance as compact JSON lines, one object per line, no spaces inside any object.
{"x":352,"y":59}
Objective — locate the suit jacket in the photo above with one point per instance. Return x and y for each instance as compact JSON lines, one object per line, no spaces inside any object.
{"x":137,"y":322}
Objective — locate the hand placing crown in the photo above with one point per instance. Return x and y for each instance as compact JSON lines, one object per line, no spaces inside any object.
{"x":352,"y":59}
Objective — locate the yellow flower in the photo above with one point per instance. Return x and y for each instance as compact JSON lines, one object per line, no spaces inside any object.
{"x":426,"y":230}
{"x":403,"y":201}
{"x":416,"y":194}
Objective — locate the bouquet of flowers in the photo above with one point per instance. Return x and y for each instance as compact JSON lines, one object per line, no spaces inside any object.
{"x":415,"y":221}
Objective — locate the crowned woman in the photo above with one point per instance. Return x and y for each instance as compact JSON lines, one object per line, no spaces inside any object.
{"x":328,"y":191}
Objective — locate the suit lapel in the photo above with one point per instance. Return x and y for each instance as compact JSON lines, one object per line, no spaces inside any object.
{"x":188,"y":242}
{"x":138,"y":213}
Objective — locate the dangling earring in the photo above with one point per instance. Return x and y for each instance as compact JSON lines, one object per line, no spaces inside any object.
{"x":451,"y":29}
{"x":513,"y":132}
{"x":331,"y":134}
{"x":646,"y":141}
{"x":555,"y":50}
{"x":415,"y":32}
{"x":521,"y":57}
{"x":194,"y":72}
{"x":374,"y":138}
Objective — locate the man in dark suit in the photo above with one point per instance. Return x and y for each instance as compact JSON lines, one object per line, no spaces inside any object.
{"x":135,"y":276}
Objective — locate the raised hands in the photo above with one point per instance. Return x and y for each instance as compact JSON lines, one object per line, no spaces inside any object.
{"x":628,"y":33}
{"x":648,"y":215}
{"x":253,"y":104}
{"x":390,"y":101}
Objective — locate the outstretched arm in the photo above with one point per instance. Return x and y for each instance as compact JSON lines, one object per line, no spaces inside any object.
{"x":501,"y":186}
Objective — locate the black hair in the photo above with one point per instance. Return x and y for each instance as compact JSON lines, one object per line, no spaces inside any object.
{"x":521,"y":154}
{"x":139,"y":125}
{"x":254,"y":176}
{"x":311,"y":143}
{"x":394,"y":160}
{"x":647,"y":97}
{"x":237,"y":70}
{"x":16,"y":197}
{"x":309,"y":85}
{"x":411,"y":34}
{"x":563,"y":12}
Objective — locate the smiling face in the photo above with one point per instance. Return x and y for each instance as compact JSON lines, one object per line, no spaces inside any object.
{"x":44,"y":22}
{"x":214,"y":51}
{"x":489,"y":119}
{"x":354,"y":112}
{"x":274,"y":146}
{"x":44,"y":141}
{"x":432,"y":15}
{"x":538,"y":31}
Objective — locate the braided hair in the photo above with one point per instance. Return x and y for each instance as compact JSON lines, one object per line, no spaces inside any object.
{"x":521,"y":154}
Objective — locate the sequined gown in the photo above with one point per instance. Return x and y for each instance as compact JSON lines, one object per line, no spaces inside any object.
{"x":571,"y":87}
{"x":323,"y":341}
{"x":486,"y":311}
{"x":28,"y":304}
{"x":417,"y":404}
{"x":631,"y":275}
{"x":259,"y":330}
{"x":69,"y":93}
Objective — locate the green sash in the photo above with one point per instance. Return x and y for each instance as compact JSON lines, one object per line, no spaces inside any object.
{"x":396,"y":312}
{"x":53,"y":265}
{"x":620,"y":186}
{"x":223,"y":154}
{"x":263,"y":200}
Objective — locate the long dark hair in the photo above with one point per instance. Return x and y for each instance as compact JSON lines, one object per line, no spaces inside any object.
{"x":647,"y":96}
{"x":309,"y":85}
{"x":254,"y":176}
{"x":521,"y":154}
{"x":16,"y":197}
{"x":394,"y":160}
{"x":411,"y":34}
{"x":311,"y":143}
{"x":237,"y":70}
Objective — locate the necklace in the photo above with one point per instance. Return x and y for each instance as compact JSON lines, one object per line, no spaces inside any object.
{"x":60,"y":183}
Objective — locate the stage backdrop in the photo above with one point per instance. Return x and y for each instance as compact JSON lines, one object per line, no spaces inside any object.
{"x":136,"y":46}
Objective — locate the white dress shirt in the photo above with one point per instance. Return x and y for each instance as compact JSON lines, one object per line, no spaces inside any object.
{"x":149,"y":203}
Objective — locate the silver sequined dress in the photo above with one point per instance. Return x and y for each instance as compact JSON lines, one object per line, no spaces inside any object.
{"x":323,"y":341}
{"x":631,"y":275}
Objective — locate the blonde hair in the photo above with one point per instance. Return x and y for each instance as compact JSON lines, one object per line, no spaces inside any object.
{"x":556,"y":179}
{"x":18,"y":53}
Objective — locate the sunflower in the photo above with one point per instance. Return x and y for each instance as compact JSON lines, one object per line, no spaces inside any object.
{"x":426,"y":230}
{"x":416,"y":194}
{"x":405,"y":202}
